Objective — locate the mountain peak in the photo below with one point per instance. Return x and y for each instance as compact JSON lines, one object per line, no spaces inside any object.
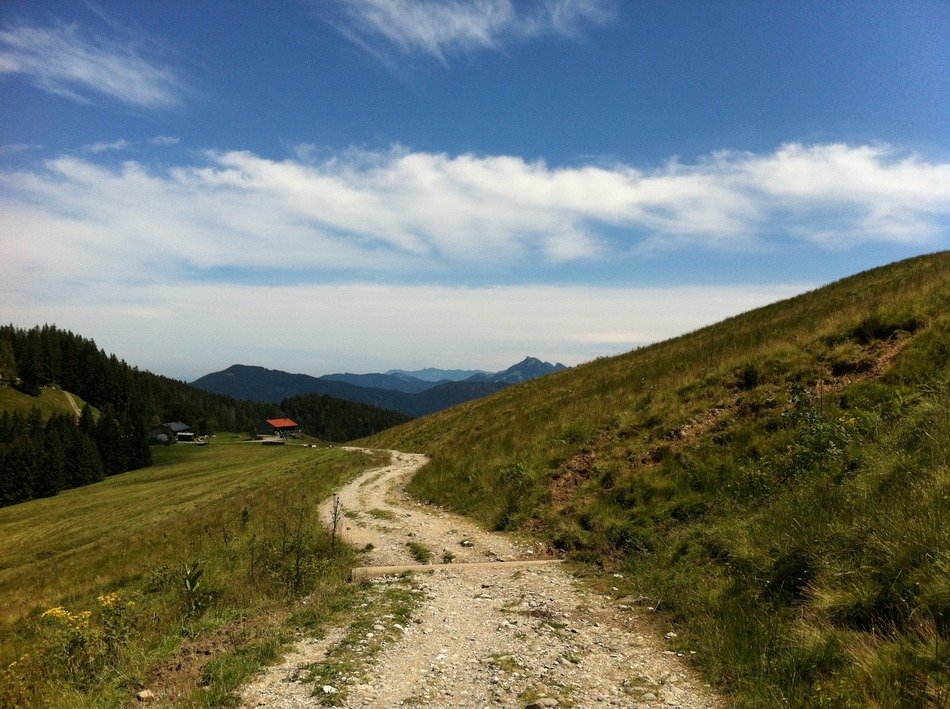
{"x":528,"y":368}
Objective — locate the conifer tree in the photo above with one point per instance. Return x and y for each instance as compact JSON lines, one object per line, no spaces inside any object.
{"x":8,"y":372}
{"x":50,"y":466}
{"x":17,"y":471}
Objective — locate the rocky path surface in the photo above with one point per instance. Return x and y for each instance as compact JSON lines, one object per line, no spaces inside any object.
{"x":501,"y":635}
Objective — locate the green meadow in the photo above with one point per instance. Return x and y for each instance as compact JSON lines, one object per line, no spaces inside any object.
{"x":50,"y":401}
{"x":113,"y":561}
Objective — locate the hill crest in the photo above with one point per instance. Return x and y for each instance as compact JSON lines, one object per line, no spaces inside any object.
{"x":774,"y":484}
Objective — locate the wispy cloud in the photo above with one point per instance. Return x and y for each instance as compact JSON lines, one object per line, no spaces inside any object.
{"x":443,"y":29}
{"x":13,"y":148}
{"x":105,"y":146}
{"x":402,"y":212}
{"x":64,"y":59}
{"x":123,"y":144}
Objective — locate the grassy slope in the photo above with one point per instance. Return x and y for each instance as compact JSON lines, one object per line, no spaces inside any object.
{"x":50,"y":401}
{"x":777,"y":483}
{"x":133,"y":533}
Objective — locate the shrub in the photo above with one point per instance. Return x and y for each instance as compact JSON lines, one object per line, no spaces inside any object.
{"x":420,"y":552}
{"x":877,"y":326}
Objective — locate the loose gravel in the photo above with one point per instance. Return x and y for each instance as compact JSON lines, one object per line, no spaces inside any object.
{"x":478,"y":637}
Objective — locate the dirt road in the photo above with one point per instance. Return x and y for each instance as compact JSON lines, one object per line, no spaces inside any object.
{"x":72,"y":403}
{"x":495,"y":635}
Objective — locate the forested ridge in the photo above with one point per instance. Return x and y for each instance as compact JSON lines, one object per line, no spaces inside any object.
{"x":46,"y":355}
{"x":38,"y":457}
{"x":334,"y":419}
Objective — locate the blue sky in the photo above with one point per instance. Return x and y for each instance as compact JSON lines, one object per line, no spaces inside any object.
{"x":367,"y":184}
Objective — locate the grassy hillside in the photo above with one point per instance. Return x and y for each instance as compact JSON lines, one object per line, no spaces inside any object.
{"x":777,"y":485}
{"x":50,"y":401}
{"x":238,"y":512}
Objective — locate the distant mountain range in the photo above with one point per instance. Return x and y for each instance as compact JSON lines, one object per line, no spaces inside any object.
{"x":396,"y":382}
{"x":395,"y":390}
{"x":431,"y":374}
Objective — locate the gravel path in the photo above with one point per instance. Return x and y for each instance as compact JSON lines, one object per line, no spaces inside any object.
{"x":72,"y":403}
{"x":492,"y":636}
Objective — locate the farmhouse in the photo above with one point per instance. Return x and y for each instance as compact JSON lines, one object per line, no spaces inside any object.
{"x":278,"y":427}
{"x":173,"y":430}
{"x":182,"y":431}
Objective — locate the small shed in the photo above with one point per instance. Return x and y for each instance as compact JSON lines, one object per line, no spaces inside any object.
{"x":278,"y":427}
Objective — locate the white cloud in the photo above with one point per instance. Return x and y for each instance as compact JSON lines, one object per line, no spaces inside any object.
{"x":866,"y":192}
{"x":403,"y":212}
{"x":203,"y":253}
{"x":164,"y":140}
{"x":440,"y":29}
{"x":105,"y":146}
{"x":65,"y":60}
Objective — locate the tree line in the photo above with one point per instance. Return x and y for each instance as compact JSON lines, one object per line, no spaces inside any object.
{"x":39,"y":458}
{"x":47,"y":355}
{"x":338,"y":420}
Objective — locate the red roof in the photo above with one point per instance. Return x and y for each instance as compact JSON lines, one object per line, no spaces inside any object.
{"x":282,"y":423}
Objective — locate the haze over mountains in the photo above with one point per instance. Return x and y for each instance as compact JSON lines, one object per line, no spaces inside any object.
{"x":395,"y":390}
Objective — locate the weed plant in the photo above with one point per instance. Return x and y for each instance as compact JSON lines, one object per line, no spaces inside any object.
{"x":419,"y":552}
{"x":777,"y":484}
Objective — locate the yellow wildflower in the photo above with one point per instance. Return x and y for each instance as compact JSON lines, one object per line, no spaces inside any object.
{"x":110,"y":599}
{"x":61,"y":614}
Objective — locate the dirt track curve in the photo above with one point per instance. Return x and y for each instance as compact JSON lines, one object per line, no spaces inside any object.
{"x":486,"y":635}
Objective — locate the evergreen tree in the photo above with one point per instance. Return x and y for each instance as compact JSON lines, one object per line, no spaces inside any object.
{"x":35,"y":426}
{"x":6,"y":427}
{"x":90,"y":468}
{"x":87,"y":422}
{"x":50,"y":468}
{"x":8,"y":371}
{"x":17,"y":470}
{"x":139,"y":452}
{"x":108,"y":439}
{"x":29,"y":368}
